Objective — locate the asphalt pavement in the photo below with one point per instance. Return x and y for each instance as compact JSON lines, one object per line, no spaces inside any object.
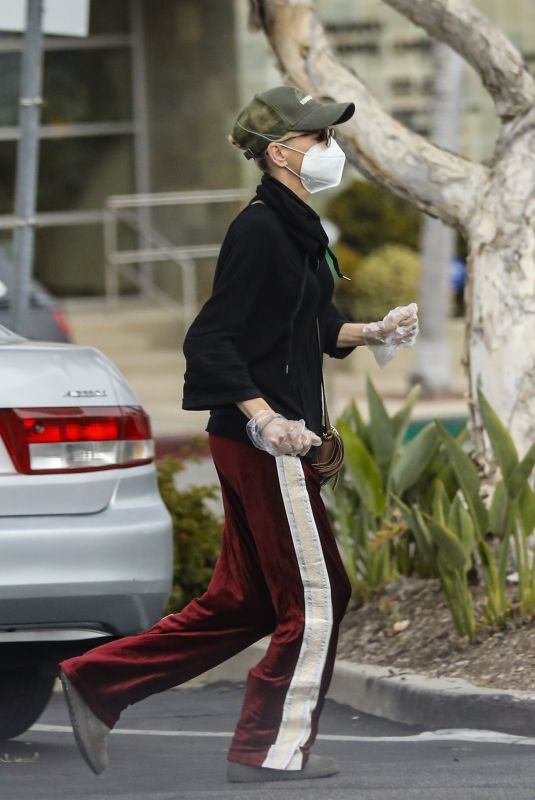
{"x":174,"y":745}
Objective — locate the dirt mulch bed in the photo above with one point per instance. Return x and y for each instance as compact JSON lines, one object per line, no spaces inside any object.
{"x":409,"y":627}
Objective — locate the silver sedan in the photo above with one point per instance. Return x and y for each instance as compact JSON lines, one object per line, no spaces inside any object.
{"x":85,"y":539}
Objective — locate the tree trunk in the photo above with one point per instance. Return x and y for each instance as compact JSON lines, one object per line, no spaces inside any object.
{"x":501,"y":291}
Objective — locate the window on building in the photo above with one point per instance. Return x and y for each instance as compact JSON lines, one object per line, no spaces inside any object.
{"x":412,"y":45}
{"x":8,"y":153}
{"x":366,"y":48}
{"x":365,"y":26}
{"x":90,"y":85}
{"x":428,"y":86}
{"x":88,"y":132}
{"x":354,"y":37}
{"x":401,"y":87}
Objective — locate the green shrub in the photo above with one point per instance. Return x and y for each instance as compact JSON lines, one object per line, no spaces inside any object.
{"x":196,"y":534}
{"x":388,"y":277}
{"x":369,"y":217}
{"x":420,"y":507}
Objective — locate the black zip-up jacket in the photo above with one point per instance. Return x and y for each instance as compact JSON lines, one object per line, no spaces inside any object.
{"x":256,"y":335}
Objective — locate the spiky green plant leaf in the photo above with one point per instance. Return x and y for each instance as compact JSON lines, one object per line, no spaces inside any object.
{"x":459,"y":599}
{"x":440,"y":502}
{"x":450,"y":548}
{"x":462,"y":436}
{"x":400,"y":420}
{"x":380,"y":428}
{"x":351,"y":414}
{"x":503,"y":557}
{"x":447,"y":476}
{"x":526,"y":510}
{"x":522,"y":472}
{"x":423,"y":538}
{"x":414,"y":458}
{"x":342,"y":513}
{"x":420,"y":531}
{"x":468,"y":478}
{"x":499,"y":510}
{"x":363,"y":470}
{"x":460,"y":521}
{"x":501,"y":439}
{"x":496,"y":606}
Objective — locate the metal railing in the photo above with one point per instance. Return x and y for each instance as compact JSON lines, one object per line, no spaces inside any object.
{"x":136,"y":265}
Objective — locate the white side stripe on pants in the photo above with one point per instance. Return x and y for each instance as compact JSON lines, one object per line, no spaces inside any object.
{"x":303,"y":691}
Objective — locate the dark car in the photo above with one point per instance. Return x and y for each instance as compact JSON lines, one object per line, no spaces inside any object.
{"x":45,"y":321}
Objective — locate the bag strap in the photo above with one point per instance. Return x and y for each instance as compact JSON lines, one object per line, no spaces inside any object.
{"x":325,"y":413}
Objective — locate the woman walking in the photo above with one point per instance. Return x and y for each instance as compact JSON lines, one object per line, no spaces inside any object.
{"x":253,"y":360}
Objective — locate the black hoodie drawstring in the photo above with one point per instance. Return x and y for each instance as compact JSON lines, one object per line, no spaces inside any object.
{"x":296,"y":310}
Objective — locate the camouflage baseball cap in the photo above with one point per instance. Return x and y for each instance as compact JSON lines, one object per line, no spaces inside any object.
{"x":273,"y":113}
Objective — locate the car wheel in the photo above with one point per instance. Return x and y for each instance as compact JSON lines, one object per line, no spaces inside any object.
{"x":24,"y":694}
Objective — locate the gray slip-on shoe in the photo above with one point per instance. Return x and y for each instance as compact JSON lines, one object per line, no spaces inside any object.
{"x":316,"y":767}
{"x":90,"y":732}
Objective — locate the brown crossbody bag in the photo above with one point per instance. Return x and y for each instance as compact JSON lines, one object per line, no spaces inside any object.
{"x":328,"y":456}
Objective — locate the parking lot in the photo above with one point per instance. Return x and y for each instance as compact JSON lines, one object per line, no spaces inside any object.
{"x":174,"y":744}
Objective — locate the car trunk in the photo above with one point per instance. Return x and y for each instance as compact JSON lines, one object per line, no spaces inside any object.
{"x":61,"y":377}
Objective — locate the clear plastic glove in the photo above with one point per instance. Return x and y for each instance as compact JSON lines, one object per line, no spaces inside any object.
{"x":399,"y":328}
{"x":279,"y":436}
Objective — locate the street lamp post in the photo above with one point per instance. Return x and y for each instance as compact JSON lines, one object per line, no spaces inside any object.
{"x":27,"y":161}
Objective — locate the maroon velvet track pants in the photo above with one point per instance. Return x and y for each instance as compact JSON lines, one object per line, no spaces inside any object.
{"x":279,"y":573}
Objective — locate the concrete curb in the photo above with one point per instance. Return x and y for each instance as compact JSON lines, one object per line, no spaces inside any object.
{"x":434,"y":703}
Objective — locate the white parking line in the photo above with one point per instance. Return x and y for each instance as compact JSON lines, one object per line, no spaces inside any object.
{"x":454,"y":734}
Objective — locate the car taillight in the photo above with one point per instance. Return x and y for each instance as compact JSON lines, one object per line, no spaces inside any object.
{"x":76,"y":439}
{"x":60,"y":319}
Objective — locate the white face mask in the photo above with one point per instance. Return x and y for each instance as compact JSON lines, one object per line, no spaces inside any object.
{"x":322,"y":166}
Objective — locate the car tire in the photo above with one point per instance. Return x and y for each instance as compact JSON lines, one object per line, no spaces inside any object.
{"x":24,"y":694}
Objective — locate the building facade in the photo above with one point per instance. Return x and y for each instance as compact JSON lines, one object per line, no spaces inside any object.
{"x":145,"y":103}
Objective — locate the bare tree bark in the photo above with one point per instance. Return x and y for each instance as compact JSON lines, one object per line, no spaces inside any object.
{"x":501,"y":292}
{"x":493,"y":204}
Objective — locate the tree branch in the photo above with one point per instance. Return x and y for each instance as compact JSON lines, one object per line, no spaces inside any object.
{"x":482,"y":44}
{"x":437,"y":181}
